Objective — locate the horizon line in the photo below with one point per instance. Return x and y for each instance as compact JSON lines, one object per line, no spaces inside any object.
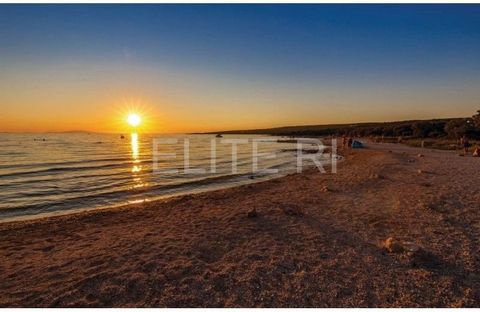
{"x":233,"y":130}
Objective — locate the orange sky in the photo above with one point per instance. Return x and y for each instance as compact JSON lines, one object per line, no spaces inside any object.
{"x":193,"y":68}
{"x":98,"y":97}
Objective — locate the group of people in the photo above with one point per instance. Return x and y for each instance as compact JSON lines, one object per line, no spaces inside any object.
{"x":464,"y":143}
{"x":347,"y":142}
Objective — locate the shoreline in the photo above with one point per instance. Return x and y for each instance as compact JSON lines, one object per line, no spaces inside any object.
{"x":134,"y":205}
{"x":147,"y":201}
{"x":314,"y":240}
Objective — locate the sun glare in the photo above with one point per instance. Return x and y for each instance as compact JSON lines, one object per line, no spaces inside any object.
{"x":134,"y":120}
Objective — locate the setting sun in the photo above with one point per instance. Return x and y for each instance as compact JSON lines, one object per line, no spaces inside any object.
{"x":134,"y":120}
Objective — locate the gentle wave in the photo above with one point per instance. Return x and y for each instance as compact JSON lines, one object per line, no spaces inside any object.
{"x":108,"y":195}
{"x":32,"y":165}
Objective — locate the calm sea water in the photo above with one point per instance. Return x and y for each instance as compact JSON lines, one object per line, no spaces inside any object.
{"x":60,"y":173}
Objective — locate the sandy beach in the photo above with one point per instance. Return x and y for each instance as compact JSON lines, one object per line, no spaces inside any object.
{"x":391,"y":229}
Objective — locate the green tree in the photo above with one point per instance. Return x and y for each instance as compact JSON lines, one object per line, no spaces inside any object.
{"x":476,"y":119}
{"x":457,"y":128}
{"x":421,"y":129}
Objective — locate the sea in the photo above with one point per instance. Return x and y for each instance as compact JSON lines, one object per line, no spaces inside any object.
{"x":44,"y":174}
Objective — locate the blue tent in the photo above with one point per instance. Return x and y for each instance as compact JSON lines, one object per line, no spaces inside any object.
{"x":357,"y":144}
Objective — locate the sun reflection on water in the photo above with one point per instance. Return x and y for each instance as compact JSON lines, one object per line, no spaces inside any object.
{"x":134,"y":140}
{"x":136,"y":167}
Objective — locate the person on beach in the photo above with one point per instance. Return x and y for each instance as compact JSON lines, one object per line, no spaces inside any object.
{"x":344,"y":142}
{"x":350,"y":142}
{"x":476,"y":152}
{"x":464,"y":143}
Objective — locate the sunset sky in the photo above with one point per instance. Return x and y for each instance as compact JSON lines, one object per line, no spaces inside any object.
{"x":191,"y":68}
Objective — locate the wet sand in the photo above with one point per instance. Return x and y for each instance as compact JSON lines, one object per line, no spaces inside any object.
{"x":390,"y":229}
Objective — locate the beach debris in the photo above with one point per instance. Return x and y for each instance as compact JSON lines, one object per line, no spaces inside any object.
{"x":326,"y":189}
{"x":420,"y":155}
{"x":420,"y":171}
{"x":252,"y":213}
{"x":376,"y":176}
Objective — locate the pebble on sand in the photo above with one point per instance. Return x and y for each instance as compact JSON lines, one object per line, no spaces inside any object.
{"x":252,"y":213}
{"x":416,"y":255}
{"x":393,"y":246}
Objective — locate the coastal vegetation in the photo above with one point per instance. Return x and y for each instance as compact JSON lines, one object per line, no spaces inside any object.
{"x":434,"y":133}
{"x":447,"y":129}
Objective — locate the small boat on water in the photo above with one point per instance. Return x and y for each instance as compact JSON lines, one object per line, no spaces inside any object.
{"x":219,"y":135}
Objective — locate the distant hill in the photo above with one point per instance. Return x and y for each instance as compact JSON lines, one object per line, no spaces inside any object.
{"x":418,"y":128}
